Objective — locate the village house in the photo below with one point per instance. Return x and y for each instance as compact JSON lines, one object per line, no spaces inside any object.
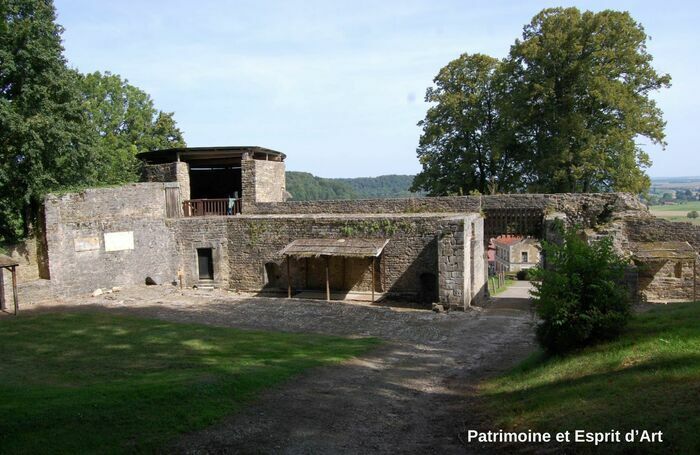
{"x":515,"y":253}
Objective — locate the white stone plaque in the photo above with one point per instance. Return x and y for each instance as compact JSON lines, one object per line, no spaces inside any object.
{"x":87,"y":243}
{"x":118,"y":241}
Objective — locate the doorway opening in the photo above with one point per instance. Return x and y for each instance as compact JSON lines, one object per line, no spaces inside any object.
{"x":205,"y":263}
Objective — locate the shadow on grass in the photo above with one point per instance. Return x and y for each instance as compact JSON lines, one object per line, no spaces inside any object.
{"x":80,"y":382}
{"x":647,"y":380}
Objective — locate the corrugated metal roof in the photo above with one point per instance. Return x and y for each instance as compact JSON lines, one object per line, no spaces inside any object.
{"x":335,"y":247}
{"x":7,"y":261}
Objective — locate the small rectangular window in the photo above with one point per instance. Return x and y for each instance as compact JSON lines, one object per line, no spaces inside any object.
{"x":523,"y":257}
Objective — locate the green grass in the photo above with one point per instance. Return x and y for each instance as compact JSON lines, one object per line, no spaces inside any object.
{"x":648,"y":379}
{"x":493,"y":282}
{"x":676,"y":212}
{"x":681,"y":207}
{"x":87,"y":382}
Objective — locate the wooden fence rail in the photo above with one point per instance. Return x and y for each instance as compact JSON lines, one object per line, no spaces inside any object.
{"x":211,"y":207}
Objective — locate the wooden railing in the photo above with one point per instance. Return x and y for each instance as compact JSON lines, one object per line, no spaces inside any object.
{"x":211,"y":207}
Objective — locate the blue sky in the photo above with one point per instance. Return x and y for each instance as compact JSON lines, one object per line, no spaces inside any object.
{"x":339,"y":86}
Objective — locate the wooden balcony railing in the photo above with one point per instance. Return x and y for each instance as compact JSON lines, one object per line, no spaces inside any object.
{"x":211,"y":207}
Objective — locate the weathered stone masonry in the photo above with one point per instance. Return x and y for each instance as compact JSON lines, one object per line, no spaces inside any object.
{"x":76,"y":225}
{"x":114,"y":236}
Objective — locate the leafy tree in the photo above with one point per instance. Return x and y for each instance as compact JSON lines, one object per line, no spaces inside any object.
{"x":44,"y":139}
{"x":578,"y":295}
{"x":60,"y":129}
{"x":561,"y":113}
{"x":126,"y":122}
{"x":306,"y":187}
{"x":463,"y":147}
{"x":580,"y":85}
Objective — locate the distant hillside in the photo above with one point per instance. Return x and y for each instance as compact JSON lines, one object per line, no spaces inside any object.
{"x":304,"y":186}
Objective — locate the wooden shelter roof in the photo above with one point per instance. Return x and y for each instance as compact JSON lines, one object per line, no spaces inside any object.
{"x":6,"y":261}
{"x":335,"y":247}
{"x":201,"y":154}
{"x":664,"y":250}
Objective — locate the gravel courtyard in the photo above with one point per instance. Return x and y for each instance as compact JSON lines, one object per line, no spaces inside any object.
{"x":411,"y":395}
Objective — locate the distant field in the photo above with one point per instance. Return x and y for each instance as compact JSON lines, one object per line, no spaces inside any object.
{"x":676,"y":212}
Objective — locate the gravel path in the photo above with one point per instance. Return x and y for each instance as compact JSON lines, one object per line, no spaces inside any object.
{"x":411,"y":395}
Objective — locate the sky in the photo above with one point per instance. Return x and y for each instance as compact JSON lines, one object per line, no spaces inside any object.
{"x":339,"y":85}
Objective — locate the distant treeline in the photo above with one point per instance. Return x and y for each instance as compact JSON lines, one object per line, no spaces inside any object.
{"x":304,"y":186}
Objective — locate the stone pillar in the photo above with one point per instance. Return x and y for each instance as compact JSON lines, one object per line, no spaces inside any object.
{"x":452,"y":286}
{"x":247,"y":183}
{"x":182,"y":173}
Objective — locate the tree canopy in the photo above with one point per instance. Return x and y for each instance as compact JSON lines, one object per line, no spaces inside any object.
{"x":126,"y":122}
{"x":307,"y":187}
{"x":58,"y":128}
{"x":561,"y":113}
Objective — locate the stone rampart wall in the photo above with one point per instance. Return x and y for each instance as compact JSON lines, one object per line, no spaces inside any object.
{"x":106,"y":237}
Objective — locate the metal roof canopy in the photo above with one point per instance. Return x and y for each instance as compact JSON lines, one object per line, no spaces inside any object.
{"x":664,"y":251}
{"x":206,"y":154}
{"x":363,"y":248}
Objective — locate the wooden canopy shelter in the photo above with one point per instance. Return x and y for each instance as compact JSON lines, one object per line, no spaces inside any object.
{"x":10,"y":264}
{"x":327,"y":248}
{"x":681,"y":252}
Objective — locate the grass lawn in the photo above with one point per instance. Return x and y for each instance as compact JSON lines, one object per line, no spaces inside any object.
{"x":92,"y":382}
{"x":649,"y":379}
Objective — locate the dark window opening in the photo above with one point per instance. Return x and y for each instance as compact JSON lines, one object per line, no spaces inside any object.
{"x":205,"y":261}
{"x":215,"y":182}
{"x":523,"y":257}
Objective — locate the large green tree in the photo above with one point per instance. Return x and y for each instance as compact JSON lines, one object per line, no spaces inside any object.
{"x":126,"y":122}
{"x":464,"y":145}
{"x":564,"y":112}
{"x":579,"y":86}
{"x":58,"y":128}
{"x":44,"y":139}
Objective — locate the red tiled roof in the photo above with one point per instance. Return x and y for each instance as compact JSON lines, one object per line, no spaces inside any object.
{"x":507,"y":240}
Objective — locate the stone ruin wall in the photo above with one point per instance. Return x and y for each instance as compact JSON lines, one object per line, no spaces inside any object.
{"x":81,"y":226}
{"x":663,"y":281}
{"x":247,"y":243}
{"x":461,"y":264}
{"x":169,"y":172}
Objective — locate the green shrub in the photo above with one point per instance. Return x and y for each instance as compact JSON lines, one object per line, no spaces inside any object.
{"x":523,"y":274}
{"x":579,"y":296}
{"x":692,"y":214}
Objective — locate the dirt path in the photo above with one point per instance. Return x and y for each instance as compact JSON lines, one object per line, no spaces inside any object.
{"x":411,"y":395}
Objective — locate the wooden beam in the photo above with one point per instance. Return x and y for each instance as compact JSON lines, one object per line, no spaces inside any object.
{"x":289,"y":281}
{"x":328,"y":279}
{"x":14,"y":289}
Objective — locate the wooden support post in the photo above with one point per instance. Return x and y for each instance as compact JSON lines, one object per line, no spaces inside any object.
{"x":2,"y":290}
{"x":328,"y":279}
{"x":14,"y":289}
{"x":373,"y":266}
{"x":289,"y":281}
